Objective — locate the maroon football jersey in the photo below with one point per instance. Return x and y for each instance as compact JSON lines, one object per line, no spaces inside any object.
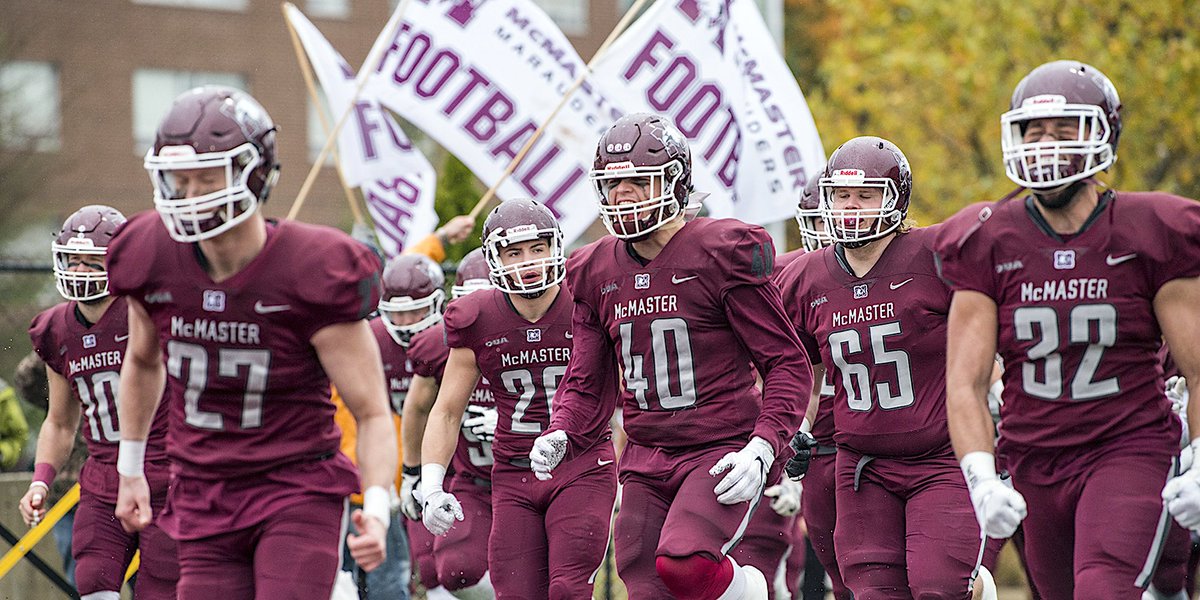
{"x":525,"y":361}
{"x":882,"y":338}
{"x":246,"y":390}
{"x":397,"y":366}
{"x":1077,"y":328}
{"x":822,"y":427}
{"x":89,"y":358}
{"x":682,"y":331}
{"x":428,"y":353}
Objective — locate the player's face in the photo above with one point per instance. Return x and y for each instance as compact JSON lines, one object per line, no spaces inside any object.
{"x":856,"y":198}
{"x":630,"y":190}
{"x":524,"y":252}
{"x":84,"y":263}
{"x":193,"y":183}
{"x":405,"y":317}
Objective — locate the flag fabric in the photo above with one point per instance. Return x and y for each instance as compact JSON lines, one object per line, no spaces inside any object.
{"x":712,"y":67}
{"x":479,"y":77}
{"x":396,"y":179}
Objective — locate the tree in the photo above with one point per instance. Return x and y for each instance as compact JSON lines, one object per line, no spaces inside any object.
{"x":457,"y":192}
{"x":934,"y":76}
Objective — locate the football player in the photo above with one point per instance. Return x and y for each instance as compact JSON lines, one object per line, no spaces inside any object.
{"x":873,"y":309}
{"x":819,"y":506}
{"x":461,"y":555}
{"x":411,"y":302}
{"x":246,"y":322}
{"x":548,"y":538}
{"x":1071,"y":283}
{"x":682,"y":309}
{"x":82,"y":342}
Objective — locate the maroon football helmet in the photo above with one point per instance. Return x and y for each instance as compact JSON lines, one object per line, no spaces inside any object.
{"x":473,"y":274}
{"x":1056,"y":90}
{"x":521,"y":220}
{"x":411,"y":282}
{"x":808,"y":214}
{"x":649,"y":149}
{"x":212,"y":127}
{"x":86,"y":232}
{"x":865,"y":162}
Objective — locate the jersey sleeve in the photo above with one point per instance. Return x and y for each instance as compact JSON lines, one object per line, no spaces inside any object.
{"x":428,"y":353}
{"x":342,"y":282}
{"x":962,"y":254}
{"x":1178,"y":240}
{"x":456,"y":323}
{"x":789,"y":282}
{"x":129,"y":259}
{"x":757,"y":316}
{"x":744,"y":253}
{"x":42,"y":336}
{"x":586,"y":398}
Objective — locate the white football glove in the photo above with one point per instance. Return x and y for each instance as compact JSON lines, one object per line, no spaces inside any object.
{"x":548,"y":450}
{"x":482,"y":422}
{"x":409,"y":505}
{"x":747,"y":472}
{"x":998,"y":507}
{"x":785,"y":497}
{"x":1182,"y":494}
{"x":440,"y":509}
{"x":1177,"y":393}
{"x":995,"y":399}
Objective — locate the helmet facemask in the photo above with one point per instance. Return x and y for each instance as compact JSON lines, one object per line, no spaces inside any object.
{"x":814,"y":238}
{"x":468,"y":287}
{"x":510,"y":278}
{"x":208,"y":215}
{"x":636,"y":220}
{"x":81,"y":286}
{"x":1053,"y":165}
{"x":886,"y":219}
{"x":402,"y":334}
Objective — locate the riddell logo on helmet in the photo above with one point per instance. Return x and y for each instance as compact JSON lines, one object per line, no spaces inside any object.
{"x":848,"y":173}
{"x":1044,"y":99}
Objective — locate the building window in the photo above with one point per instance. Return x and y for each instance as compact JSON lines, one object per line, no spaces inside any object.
{"x":570,"y":15}
{"x":328,"y":9}
{"x":230,"y":5}
{"x":29,"y":106}
{"x":155,"y":89}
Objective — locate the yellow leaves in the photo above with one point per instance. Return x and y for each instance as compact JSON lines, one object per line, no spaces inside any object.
{"x":934,"y":77}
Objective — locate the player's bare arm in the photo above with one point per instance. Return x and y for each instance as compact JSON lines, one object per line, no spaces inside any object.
{"x":970,"y":358}
{"x":143,"y":378}
{"x":55,"y":440}
{"x":350,"y":357}
{"x":445,"y":417}
{"x":1179,"y":318}
{"x":422,"y":393}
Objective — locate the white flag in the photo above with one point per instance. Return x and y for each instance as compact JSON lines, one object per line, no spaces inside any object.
{"x":480,"y":76}
{"x":712,"y":67}
{"x":397,"y":180}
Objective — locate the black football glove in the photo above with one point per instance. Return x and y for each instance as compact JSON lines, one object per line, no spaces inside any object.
{"x":805,"y":446}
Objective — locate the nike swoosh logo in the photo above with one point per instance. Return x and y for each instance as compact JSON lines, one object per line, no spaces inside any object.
{"x":263,"y":309}
{"x":121,"y":338}
{"x":570,"y":335}
{"x":1116,"y":260}
{"x":896,"y":286}
{"x":675,"y":279}
{"x":603,"y":463}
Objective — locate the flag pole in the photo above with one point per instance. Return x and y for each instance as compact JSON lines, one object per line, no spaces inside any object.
{"x":372,"y":62}
{"x":307,"y":70}
{"x":512,"y":165}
